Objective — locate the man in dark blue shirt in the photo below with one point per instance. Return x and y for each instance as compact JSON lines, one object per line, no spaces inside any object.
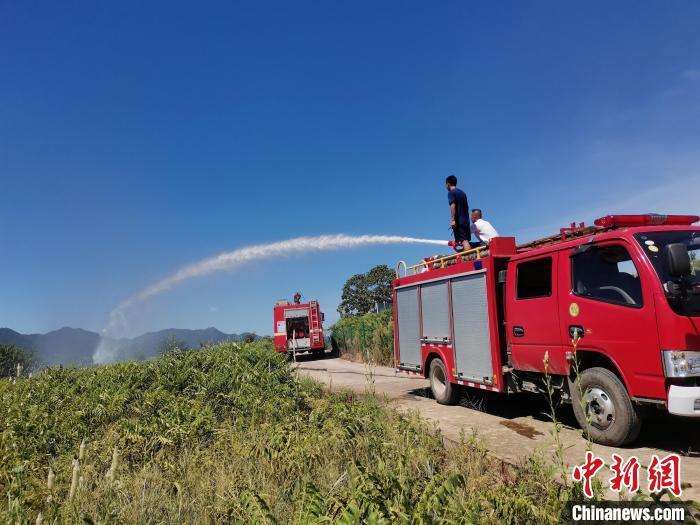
{"x":459,"y":208}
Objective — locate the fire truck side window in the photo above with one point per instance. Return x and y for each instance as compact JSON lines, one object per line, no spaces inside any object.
{"x":535,"y":278}
{"x":608,"y":274}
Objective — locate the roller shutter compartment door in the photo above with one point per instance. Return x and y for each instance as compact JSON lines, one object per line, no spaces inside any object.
{"x":409,"y":329}
{"x":435,"y":312}
{"x":472,"y":344}
{"x":296,"y":313}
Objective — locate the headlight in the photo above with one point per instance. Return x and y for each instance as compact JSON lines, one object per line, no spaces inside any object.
{"x":681,"y":363}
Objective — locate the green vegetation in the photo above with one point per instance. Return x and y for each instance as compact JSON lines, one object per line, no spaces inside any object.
{"x":368,"y":338}
{"x":11,"y":356}
{"x":172,"y":344}
{"x":229,"y":433}
{"x":361,"y":334}
{"x":362,"y":291}
{"x":694,"y":262}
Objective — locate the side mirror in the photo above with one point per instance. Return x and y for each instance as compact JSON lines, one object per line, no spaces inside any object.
{"x":677,"y":259}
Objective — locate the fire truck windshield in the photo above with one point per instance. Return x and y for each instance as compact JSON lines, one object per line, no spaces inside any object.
{"x":654,"y":245}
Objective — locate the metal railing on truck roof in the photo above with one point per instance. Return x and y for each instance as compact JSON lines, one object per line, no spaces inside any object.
{"x":441,"y":262}
{"x":609,"y":222}
{"x":574,"y":231}
{"x":565,"y":234}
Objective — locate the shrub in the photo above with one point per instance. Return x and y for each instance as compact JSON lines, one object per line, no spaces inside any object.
{"x":11,"y":356}
{"x":367,"y":338}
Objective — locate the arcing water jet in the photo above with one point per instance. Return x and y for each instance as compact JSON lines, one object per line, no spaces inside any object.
{"x":106,"y":351}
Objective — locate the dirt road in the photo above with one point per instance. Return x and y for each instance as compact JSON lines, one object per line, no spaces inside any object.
{"x":516,"y":426}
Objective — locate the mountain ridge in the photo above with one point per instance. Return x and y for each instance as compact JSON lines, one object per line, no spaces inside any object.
{"x":76,"y":346}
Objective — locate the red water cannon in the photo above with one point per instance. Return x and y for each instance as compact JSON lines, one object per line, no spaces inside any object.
{"x":456,"y":246}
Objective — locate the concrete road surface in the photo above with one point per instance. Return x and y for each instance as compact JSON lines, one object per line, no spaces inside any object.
{"x":513,"y":427}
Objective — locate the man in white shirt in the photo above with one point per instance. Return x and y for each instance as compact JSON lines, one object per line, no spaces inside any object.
{"x":481,"y":229}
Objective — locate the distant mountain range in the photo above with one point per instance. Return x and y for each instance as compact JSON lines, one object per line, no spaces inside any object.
{"x":68,"y":346}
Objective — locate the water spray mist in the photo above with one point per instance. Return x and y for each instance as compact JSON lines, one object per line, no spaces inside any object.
{"x":106,"y":352}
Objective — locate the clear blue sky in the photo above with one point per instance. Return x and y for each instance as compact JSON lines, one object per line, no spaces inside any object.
{"x":136,"y":138}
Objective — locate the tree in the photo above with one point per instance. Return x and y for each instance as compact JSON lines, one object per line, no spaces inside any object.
{"x":11,"y":356}
{"x":363,"y":290}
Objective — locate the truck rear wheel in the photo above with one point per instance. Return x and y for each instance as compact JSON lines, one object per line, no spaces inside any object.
{"x":444,"y":392}
{"x":606,"y":408}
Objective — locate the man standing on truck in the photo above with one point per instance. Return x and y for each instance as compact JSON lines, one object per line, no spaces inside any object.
{"x":459,"y":209}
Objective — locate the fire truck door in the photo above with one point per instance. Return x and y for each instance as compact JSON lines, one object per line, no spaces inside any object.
{"x":608,"y":297}
{"x":472,"y":345}
{"x":409,"y":328}
{"x":435,"y":313}
{"x":532,"y":315}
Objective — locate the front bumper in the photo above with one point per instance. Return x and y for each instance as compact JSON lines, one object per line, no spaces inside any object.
{"x":684,"y":400}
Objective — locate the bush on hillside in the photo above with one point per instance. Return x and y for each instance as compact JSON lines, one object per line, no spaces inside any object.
{"x":11,"y":356}
{"x":368,"y":338}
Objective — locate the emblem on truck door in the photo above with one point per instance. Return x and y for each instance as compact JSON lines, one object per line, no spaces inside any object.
{"x":574,"y":310}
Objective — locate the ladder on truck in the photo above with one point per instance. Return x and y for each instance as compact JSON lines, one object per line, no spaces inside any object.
{"x":314,"y":323}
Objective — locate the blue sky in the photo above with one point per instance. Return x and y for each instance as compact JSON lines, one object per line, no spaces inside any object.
{"x":136,"y":138}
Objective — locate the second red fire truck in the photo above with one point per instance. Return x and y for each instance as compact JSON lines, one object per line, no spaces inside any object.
{"x":610,"y":314}
{"x":298,"y":326}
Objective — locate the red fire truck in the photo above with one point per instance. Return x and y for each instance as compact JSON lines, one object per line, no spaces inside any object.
{"x":610,"y":313}
{"x":298,"y":327}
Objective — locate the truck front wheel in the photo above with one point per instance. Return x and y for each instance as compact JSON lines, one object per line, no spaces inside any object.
{"x":444,"y":392}
{"x":602,"y":405}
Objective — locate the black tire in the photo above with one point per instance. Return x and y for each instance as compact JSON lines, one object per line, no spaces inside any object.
{"x":613,"y":419}
{"x":444,"y":392}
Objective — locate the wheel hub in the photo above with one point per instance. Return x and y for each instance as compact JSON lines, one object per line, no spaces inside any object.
{"x":599,"y":407}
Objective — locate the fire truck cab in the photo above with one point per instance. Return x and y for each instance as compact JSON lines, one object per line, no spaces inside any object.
{"x":298,"y":327}
{"x":608,"y":315}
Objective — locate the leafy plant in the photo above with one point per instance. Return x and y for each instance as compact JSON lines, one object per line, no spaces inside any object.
{"x":230,"y":433}
{"x":367,"y":338}
{"x":11,"y":356}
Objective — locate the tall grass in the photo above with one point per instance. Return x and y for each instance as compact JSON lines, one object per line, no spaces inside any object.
{"x":367,"y":338}
{"x":230,"y":434}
